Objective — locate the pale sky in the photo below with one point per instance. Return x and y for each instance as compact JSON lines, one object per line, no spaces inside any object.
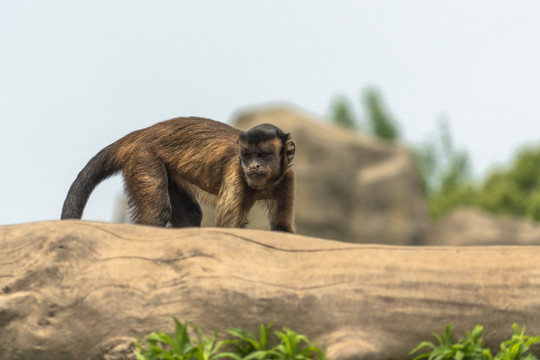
{"x":77,"y":75}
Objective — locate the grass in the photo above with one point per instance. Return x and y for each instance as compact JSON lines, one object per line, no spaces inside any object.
{"x":471,"y":347}
{"x":246,"y":345}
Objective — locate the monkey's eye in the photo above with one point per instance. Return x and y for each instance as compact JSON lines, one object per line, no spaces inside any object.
{"x":246,"y":155}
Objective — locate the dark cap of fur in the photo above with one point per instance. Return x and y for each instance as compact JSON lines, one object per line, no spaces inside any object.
{"x":262,"y":133}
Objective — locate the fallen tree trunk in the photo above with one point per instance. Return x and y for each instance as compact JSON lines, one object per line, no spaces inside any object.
{"x":86,"y":290}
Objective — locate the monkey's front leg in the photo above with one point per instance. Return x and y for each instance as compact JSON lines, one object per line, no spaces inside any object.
{"x":281,"y":209}
{"x":281,"y":216}
{"x":232,"y":207}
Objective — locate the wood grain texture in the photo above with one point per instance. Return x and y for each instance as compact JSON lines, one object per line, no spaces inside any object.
{"x":85,"y":290}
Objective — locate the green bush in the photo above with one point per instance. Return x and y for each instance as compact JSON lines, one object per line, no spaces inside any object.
{"x":159,"y":345}
{"x":247,"y":346}
{"x":380,"y":122}
{"x":471,"y":347}
{"x":377,"y":120}
{"x":514,"y":191}
{"x":445,"y":171}
{"x":342,"y":114}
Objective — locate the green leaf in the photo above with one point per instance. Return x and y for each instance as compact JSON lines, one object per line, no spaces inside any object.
{"x":228,"y":355}
{"x":422,"y":345}
{"x":264,"y":334}
{"x":448,"y":335}
{"x":139,"y":356}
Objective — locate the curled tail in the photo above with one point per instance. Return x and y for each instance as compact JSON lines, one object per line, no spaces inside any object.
{"x":99,"y":168}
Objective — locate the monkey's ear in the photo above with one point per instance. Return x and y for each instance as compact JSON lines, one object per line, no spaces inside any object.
{"x":290,"y":148}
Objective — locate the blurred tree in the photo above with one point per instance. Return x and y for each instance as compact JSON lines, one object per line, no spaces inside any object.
{"x":442,"y":167}
{"x":446,"y":171}
{"x":341,"y":113}
{"x":380,"y":122}
{"x":426,"y":160}
{"x":501,"y":195}
{"x":456,"y":168}
{"x":515,"y":191}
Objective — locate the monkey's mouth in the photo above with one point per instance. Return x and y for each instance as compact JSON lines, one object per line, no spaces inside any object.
{"x":256,"y":177}
{"x":257,"y":174}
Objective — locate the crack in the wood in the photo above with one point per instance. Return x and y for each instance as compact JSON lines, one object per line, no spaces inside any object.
{"x":274,"y":284}
{"x":278,"y":248}
{"x":170,"y":260}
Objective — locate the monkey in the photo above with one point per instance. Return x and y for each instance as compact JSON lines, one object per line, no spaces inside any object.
{"x":170,"y":166}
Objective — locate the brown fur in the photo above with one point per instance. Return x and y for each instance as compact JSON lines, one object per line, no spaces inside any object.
{"x":171,"y":165}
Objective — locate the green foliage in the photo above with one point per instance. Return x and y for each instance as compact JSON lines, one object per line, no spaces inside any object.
{"x":514,"y":191}
{"x":247,"y":343}
{"x":471,"y":347}
{"x":248,"y":346}
{"x":341,"y":113}
{"x":158,"y":345}
{"x":444,"y":201}
{"x":517,"y":346}
{"x":443,"y":168}
{"x":380,"y":122}
{"x":294,"y":346}
{"x":445,"y":171}
{"x":428,"y":163}
{"x":447,"y":181}
{"x":378,"y":119}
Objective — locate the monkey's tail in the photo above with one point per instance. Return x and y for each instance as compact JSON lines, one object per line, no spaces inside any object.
{"x":100,"y":167}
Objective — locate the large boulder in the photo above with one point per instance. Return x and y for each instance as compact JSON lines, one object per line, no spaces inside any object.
{"x":467,"y":226}
{"x":350,"y":187}
{"x":83,"y":290}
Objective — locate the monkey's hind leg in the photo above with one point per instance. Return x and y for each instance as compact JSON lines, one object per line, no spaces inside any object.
{"x":146,"y":186}
{"x":186,"y":211}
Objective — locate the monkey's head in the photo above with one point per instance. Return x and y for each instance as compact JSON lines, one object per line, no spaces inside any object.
{"x":265,"y":153}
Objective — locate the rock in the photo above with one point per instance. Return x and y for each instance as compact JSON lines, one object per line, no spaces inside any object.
{"x":350,"y":187}
{"x":85,"y":290}
{"x":466,"y":226}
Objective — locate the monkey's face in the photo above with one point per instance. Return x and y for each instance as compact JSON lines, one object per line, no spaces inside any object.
{"x":261,"y":163}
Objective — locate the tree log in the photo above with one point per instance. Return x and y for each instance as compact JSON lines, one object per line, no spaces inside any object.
{"x":86,"y":290}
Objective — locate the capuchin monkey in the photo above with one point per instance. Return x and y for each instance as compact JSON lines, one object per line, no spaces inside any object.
{"x":170,"y":166}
